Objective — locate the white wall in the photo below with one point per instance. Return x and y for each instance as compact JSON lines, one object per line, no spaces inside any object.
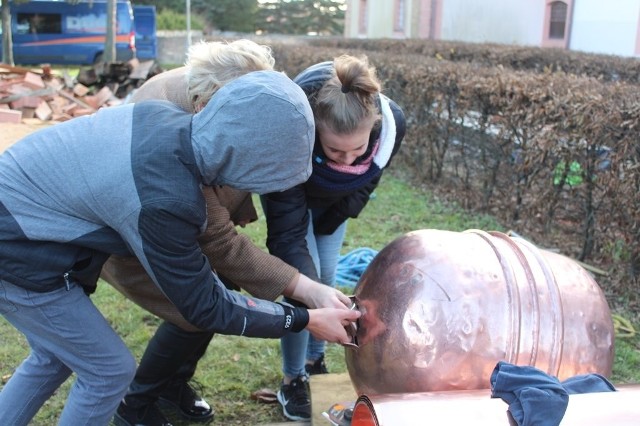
{"x":608,"y":27}
{"x":351,"y":19}
{"x":598,"y":26}
{"x":495,"y":21}
{"x":380,"y":18}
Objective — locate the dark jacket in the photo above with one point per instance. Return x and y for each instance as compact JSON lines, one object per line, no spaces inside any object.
{"x":287,"y":212}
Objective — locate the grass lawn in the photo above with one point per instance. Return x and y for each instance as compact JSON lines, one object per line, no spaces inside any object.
{"x":235,"y":367}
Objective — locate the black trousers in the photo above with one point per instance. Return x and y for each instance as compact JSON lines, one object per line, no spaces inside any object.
{"x":171,"y":358}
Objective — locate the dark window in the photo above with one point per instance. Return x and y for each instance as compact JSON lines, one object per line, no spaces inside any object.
{"x":558,"y":21}
{"x":39,"y":23}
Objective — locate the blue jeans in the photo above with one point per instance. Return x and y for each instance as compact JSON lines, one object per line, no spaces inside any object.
{"x":325,"y":252}
{"x":67,"y":334}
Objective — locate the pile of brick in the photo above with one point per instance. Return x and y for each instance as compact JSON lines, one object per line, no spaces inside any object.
{"x":39,"y":93}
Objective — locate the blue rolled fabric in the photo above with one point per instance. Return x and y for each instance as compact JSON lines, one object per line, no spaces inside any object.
{"x":587,"y":383}
{"x":534,"y":397}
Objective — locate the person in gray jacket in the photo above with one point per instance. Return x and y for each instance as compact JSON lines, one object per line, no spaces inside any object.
{"x":127,"y":180}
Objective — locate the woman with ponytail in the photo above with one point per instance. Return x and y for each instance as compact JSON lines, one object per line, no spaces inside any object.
{"x":358,"y":131}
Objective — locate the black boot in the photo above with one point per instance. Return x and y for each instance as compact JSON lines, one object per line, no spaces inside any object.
{"x":146,"y":415}
{"x":185,"y":400}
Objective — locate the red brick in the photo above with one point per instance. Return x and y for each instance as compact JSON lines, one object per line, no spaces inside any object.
{"x":33,"y":81}
{"x":57,"y":104}
{"x":55,"y":84}
{"x":44,"y":112}
{"x":80,"y":89}
{"x":10,"y":116}
{"x":28,"y":113}
{"x":61,"y":117}
{"x":18,"y":88}
{"x":26,"y":102}
{"x":68,"y":109}
{"x":92,"y":101}
{"x":82,"y":111}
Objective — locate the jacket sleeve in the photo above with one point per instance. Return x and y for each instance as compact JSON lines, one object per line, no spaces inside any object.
{"x":237,"y":259}
{"x":169,"y":250}
{"x":287,"y":218}
{"x":351,"y":205}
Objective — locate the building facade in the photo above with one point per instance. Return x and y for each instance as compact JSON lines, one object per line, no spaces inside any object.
{"x":596,"y":26}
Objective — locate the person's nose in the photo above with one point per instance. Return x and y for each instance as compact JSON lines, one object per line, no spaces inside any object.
{"x":347,"y":159}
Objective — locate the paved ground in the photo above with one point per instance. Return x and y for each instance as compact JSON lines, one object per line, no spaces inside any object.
{"x":12,"y":132}
{"x":326,"y":390}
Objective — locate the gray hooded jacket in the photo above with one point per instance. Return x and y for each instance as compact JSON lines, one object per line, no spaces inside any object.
{"x":127,"y":180}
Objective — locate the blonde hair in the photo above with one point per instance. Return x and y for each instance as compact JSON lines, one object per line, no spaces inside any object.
{"x":349,"y":97}
{"x":211,"y":65}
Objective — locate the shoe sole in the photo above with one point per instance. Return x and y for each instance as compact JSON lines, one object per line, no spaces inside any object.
{"x":165,"y":403}
{"x":286,"y":413}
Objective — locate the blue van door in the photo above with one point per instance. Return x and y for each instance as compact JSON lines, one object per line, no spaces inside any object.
{"x":144,"y":18}
{"x":57,"y":32}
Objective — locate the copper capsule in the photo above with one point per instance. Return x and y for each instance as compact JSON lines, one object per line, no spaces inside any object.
{"x":441,"y":308}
